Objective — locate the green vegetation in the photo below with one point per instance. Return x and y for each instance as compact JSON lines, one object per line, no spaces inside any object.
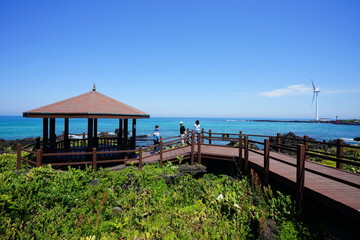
{"x":153,"y":203}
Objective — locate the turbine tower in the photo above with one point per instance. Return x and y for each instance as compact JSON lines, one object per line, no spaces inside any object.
{"x":316,"y":94}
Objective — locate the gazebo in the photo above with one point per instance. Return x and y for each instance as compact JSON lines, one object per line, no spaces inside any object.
{"x":93,"y":106}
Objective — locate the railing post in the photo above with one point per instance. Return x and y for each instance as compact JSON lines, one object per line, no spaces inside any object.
{"x":266,"y":161}
{"x":203,"y":135}
{"x":278,"y":142}
{"x":140,"y":157}
{"x":18,"y":153}
{"x":210,"y":136}
{"x":339,"y":152}
{"x":199,"y":148}
{"x":240,"y":145}
{"x":161,"y":151}
{"x":246,"y":150}
{"x":300,"y":175}
{"x":37,"y":145}
{"x":39,"y":158}
{"x":94,"y":163}
{"x":306,"y":143}
{"x":192,"y":147}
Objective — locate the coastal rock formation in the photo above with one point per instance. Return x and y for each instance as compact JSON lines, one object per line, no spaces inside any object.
{"x":9,"y":146}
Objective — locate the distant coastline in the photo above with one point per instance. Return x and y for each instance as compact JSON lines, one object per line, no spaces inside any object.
{"x":339,"y":122}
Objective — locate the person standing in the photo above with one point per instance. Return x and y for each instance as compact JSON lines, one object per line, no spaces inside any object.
{"x":156,"y":139}
{"x":182,"y":133}
{"x":196,"y":129}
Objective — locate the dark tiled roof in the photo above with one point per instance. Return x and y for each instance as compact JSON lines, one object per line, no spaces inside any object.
{"x":88,"y":105}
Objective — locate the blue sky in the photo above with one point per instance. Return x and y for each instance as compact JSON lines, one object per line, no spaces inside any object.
{"x":247,"y":59}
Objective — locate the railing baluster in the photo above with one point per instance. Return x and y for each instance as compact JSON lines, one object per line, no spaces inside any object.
{"x":199,"y":147}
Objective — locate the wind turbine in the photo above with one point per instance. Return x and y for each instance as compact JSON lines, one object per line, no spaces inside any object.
{"x":316,"y":94}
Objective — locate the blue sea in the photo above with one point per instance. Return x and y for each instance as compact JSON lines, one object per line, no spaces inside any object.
{"x":18,"y":127}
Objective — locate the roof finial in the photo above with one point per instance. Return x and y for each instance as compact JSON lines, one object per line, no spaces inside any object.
{"x":94,"y":88}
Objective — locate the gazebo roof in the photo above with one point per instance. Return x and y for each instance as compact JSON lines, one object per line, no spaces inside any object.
{"x":88,"y":105}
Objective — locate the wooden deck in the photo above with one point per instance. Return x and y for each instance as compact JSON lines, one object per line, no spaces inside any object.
{"x":335,"y":188}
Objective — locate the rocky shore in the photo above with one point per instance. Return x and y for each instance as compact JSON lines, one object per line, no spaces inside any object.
{"x":9,"y":146}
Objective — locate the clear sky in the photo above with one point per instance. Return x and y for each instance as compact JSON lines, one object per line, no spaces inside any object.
{"x":247,"y":59}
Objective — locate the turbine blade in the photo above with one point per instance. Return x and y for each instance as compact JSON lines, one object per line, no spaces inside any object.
{"x":313,"y":84}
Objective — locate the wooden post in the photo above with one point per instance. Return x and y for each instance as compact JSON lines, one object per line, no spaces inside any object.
{"x":66,"y":133}
{"x":278,"y":142}
{"x":120,"y":134}
{"x":266,"y":161}
{"x":45,"y":132}
{"x":192,"y":147}
{"x":306,"y":143}
{"x":240,"y":145}
{"x":199,"y":148}
{"x":94,"y":163}
{"x":300,"y":175}
{"x":161,"y":152}
{"x":133,"y":140}
{"x":339,"y":152}
{"x":90,"y":133}
{"x":18,"y":153}
{"x":38,"y":143}
{"x":246,"y":150}
{"x":52,"y":135}
{"x":140,"y":157}
{"x":126,"y":133}
{"x":95,"y":139}
{"x":210,"y":136}
{"x":39,"y":158}
{"x":203,"y":135}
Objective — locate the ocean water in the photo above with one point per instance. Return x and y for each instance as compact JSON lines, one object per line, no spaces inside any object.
{"x":18,"y":127}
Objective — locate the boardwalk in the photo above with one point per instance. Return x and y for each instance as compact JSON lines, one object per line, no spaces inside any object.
{"x":332,"y":192}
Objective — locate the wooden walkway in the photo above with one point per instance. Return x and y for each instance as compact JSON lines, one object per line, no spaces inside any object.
{"x":335,"y":188}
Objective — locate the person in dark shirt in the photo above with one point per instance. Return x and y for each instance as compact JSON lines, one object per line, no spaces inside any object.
{"x":182,"y":133}
{"x":156,"y":139}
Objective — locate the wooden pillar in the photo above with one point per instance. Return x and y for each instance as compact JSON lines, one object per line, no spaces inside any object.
{"x":52,"y":135}
{"x":95,"y":140}
{"x":133,"y":140}
{"x":300,"y":174}
{"x":90,"y":133}
{"x":339,"y":152}
{"x":45,"y":132}
{"x":126,"y":133}
{"x":120,"y":133}
{"x":266,"y":161}
{"x":66,"y":134}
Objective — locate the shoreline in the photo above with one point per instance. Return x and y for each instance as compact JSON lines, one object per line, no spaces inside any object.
{"x":310,"y":121}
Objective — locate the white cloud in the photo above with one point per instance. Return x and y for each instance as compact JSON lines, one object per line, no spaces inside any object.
{"x":288,"y":91}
